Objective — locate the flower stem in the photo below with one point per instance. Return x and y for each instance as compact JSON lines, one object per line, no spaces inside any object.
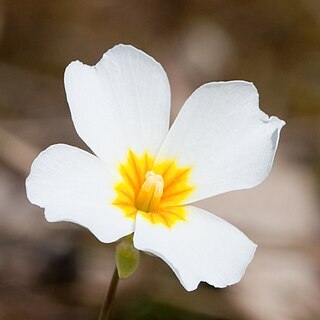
{"x":109,"y":298}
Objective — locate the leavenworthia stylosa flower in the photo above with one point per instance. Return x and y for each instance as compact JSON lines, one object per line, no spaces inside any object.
{"x":143,"y":177}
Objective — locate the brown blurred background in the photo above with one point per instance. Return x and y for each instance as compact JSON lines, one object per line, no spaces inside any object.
{"x":60,"y":271}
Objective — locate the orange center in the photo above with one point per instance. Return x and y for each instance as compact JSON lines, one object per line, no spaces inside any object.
{"x":155,"y":190}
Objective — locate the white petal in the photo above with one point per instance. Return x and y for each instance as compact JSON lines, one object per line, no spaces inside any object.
{"x":73,"y":185}
{"x":204,"y":248}
{"x":122,"y":102}
{"x":224,"y":136}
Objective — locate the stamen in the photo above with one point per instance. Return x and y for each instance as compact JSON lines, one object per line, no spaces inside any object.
{"x":150,"y":193}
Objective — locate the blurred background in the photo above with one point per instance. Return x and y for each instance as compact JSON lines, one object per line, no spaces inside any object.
{"x":60,"y":271}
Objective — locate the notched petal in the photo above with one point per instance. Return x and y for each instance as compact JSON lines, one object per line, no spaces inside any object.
{"x":202,"y":248}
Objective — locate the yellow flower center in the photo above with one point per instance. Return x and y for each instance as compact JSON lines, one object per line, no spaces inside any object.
{"x":155,"y":190}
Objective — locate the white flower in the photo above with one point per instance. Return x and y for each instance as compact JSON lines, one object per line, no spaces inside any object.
{"x":143,"y":176}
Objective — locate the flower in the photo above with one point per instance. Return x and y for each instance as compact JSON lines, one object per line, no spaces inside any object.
{"x":143,"y":177}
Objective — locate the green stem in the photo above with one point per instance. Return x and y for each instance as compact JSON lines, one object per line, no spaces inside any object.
{"x":109,"y":298}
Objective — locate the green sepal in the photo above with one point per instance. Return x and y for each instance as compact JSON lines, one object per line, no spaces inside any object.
{"x":127,"y":257}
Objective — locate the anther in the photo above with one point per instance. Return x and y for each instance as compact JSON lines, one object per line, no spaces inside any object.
{"x":150,"y":193}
